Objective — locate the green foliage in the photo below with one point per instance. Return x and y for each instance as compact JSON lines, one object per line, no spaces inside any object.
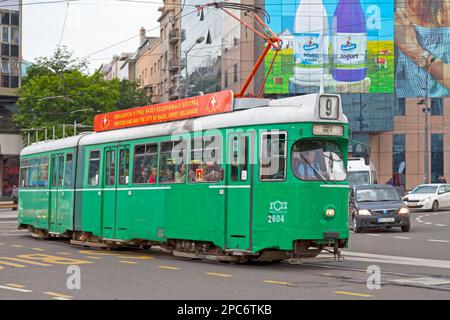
{"x":58,"y":90}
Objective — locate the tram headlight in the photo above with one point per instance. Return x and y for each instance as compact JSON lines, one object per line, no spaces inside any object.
{"x":330,"y":213}
{"x":364,"y":212}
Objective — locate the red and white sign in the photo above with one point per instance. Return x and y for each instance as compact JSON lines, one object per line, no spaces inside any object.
{"x":200,"y":106}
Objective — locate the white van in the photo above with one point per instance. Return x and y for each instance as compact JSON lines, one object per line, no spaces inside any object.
{"x":359,"y":173}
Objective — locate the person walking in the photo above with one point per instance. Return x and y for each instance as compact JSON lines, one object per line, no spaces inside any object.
{"x":15,"y":197}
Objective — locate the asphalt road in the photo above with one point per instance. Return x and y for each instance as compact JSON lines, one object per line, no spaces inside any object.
{"x":414,"y":265}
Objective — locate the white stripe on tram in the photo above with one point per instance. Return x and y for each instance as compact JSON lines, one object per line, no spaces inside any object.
{"x":229,"y":187}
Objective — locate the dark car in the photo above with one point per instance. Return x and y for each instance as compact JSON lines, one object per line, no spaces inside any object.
{"x":377,"y":206}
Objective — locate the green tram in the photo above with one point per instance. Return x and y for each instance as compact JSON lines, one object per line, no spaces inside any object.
{"x":264,"y":182}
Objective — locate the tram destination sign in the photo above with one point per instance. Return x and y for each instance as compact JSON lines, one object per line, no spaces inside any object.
{"x":199,"y":106}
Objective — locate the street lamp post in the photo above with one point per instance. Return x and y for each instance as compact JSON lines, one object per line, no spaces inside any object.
{"x":198,"y":41}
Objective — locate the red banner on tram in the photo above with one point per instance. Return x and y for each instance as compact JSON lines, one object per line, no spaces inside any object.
{"x":208,"y":104}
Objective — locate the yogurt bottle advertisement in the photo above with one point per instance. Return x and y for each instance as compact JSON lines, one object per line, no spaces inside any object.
{"x":346,"y":46}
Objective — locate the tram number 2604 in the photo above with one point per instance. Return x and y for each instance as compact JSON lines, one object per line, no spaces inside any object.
{"x":275,"y":218}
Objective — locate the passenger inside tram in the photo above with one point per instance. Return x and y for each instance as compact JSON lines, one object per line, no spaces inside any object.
{"x":142,"y":175}
{"x":152,"y":178}
{"x":180,"y":175}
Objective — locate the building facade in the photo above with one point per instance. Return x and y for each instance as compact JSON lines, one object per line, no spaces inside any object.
{"x":171,"y":36}
{"x":148,"y":71}
{"x":10,"y":79}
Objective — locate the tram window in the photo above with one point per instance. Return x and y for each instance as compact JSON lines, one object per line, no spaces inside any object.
{"x":23,"y":173}
{"x":94,"y":167}
{"x":110,"y":168}
{"x":172,"y":164}
{"x":124,"y":166}
{"x":244,"y":156}
{"x":273,"y":157}
{"x":68,"y":175}
{"x":43,"y":172}
{"x":145,"y":164}
{"x":60,"y":170}
{"x":206,"y":158}
{"x":32,"y":173}
{"x":318,"y":161}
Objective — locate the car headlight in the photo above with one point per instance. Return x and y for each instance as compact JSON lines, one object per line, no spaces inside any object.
{"x":426,"y":200}
{"x":364,"y":212}
{"x":404,"y":211}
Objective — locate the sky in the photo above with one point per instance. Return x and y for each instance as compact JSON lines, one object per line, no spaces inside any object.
{"x":91,"y":25}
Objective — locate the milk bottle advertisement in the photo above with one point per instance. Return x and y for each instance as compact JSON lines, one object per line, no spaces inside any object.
{"x":346,"y":46}
{"x":422,"y":39}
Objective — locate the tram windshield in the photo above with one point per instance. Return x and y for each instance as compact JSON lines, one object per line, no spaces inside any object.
{"x":318,"y":160}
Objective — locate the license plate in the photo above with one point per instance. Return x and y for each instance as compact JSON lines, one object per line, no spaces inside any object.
{"x":384,"y":220}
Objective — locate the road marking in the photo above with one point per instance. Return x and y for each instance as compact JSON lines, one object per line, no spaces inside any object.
{"x":278,"y":282}
{"x":64,"y":253}
{"x":17,"y":246}
{"x":404,"y":238}
{"x":28,"y":261}
{"x":2,"y":244}
{"x":128,"y":262}
{"x":15,"y":289}
{"x":14,"y":285}
{"x":354,"y":294}
{"x":214,"y":274}
{"x":428,"y":223}
{"x":378,"y":258}
{"x":168,"y":268}
{"x":372,"y":235}
{"x":58,"y":296}
{"x":441,"y":225}
{"x":15,"y":265}
{"x":441,"y":241}
{"x":37,"y":249}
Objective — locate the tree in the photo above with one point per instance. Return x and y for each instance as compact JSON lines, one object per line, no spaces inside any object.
{"x":131,"y":95}
{"x":58,"y":90}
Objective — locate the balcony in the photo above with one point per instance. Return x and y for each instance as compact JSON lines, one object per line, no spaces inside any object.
{"x":174,"y":64}
{"x":174,"y":93}
{"x":174,"y":36}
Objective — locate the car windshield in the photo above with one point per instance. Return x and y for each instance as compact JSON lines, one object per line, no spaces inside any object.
{"x":318,"y":160}
{"x":376,"y":195}
{"x":358,"y":177}
{"x":424,"y":190}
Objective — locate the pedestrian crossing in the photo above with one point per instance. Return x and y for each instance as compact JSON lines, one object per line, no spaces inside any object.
{"x":8,"y":228}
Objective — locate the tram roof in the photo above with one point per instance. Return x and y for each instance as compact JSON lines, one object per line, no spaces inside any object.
{"x":288,"y":110}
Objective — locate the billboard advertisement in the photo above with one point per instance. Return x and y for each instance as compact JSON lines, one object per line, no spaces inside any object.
{"x":346,"y":45}
{"x":423,"y":45}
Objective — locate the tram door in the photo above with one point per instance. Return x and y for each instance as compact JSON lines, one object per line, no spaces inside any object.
{"x":55,"y":192}
{"x":239,"y":190}
{"x":116,"y":192}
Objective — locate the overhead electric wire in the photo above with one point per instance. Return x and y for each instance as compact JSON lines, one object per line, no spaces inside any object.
{"x":64,"y":25}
